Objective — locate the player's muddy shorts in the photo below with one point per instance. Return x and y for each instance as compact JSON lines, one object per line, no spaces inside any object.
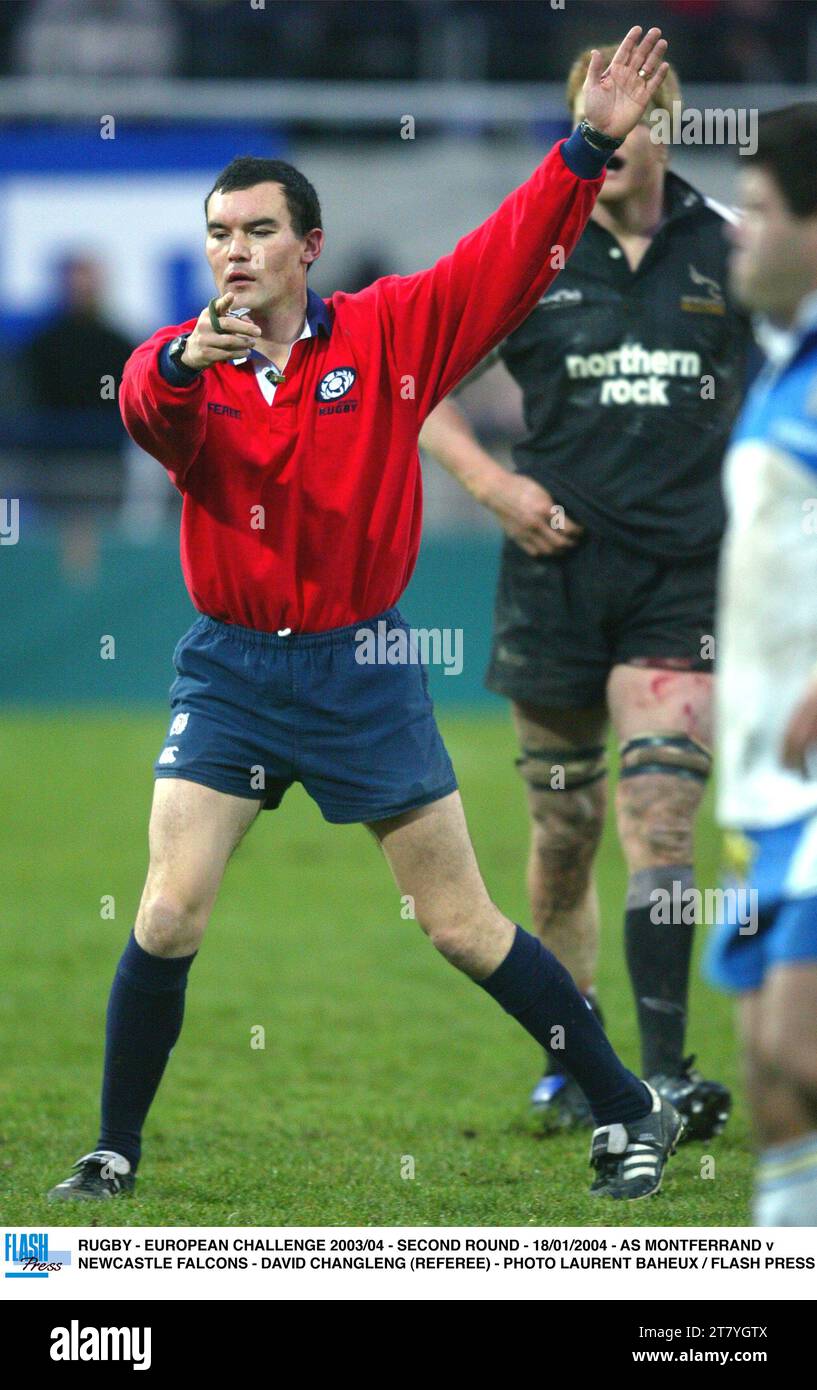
{"x":768,"y":914}
{"x":562,"y":623}
{"x":253,"y":712}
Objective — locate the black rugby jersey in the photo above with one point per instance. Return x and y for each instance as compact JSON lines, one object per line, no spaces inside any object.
{"x":631,"y":381}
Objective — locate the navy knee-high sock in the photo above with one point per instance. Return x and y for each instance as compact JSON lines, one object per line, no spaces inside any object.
{"x":532,"y":985}
{"x":145,"y":1013}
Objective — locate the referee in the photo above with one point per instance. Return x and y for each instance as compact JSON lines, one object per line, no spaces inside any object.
{"x":292,"y":435}
{"x":631,"y":370}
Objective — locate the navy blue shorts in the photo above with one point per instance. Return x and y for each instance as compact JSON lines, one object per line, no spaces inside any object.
{"x":253,"y":712}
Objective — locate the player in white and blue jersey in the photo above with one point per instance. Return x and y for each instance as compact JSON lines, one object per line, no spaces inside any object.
{"x":767,"y":661}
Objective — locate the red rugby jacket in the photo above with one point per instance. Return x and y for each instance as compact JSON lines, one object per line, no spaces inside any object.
{"x":306,"y":513}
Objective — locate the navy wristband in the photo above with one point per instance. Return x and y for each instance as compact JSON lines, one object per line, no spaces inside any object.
{"x":176,"y":373}
{"x":582,"y":158}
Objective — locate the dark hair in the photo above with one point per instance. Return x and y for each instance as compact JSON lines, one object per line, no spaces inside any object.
{"x":246,"y":170}
{"x":786,"y":147}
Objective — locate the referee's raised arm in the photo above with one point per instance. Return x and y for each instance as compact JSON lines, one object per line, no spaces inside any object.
{"x":446,"y":318}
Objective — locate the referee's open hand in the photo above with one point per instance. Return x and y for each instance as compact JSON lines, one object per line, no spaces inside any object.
{"x":206,"y":346}
{"x":616,"y":96}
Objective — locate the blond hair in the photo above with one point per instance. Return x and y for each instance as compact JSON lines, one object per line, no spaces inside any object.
{"x":667,"y":93}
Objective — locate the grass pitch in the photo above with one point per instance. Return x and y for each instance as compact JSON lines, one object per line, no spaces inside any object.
{"x":377,"y":1052}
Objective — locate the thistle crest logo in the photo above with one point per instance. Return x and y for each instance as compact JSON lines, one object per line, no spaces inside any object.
{"x":336,"y":384}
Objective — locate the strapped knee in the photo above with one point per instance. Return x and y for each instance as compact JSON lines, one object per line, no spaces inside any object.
{"x":562,"y":769}
{"x":676,"y":754}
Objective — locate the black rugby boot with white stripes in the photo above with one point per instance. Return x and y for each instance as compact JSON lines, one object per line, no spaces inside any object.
{"x":97,"y":1177}
{"x":629,"y":1159}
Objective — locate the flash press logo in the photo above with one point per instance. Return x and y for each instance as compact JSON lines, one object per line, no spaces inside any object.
{"x":28,"y":1257}
{"x":75,"y":1343}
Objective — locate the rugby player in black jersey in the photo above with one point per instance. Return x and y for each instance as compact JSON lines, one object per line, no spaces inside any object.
{"x":631,"y":367}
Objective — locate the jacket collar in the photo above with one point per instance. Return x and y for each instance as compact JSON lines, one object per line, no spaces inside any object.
{"x":317,"y":314}
{"x":318,"y":320}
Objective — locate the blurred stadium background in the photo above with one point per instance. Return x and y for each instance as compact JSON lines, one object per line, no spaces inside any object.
{"x":116,"y":114}
{"x":114,"y":117}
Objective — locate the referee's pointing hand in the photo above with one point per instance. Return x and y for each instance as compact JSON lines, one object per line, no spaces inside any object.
{"x":234,"y":337}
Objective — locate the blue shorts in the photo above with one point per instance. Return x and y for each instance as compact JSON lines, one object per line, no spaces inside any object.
{"x":253,"y":712}
{"x":781,"y":927}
